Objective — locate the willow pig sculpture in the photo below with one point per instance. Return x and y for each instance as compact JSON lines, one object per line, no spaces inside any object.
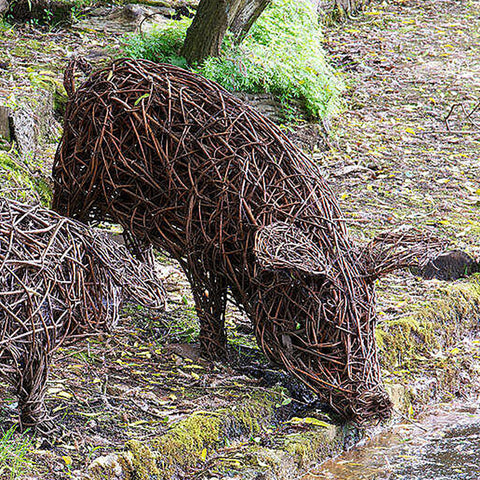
{"x":58,"y":280}
{"x":184,"y":166}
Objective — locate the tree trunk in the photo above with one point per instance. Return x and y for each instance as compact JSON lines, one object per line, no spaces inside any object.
{"x":245,"y":16}
{"x":205,"y":34}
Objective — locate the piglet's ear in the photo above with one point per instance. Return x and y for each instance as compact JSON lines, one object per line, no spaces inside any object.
{"x":283,"y":246}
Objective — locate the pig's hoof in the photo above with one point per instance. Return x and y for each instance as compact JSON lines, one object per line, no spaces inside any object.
{"x":213,"y":349}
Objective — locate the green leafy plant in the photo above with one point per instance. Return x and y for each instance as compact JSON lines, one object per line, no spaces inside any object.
{"x":282,"y":55}
{"x":161,"y":44}
{"x":13,"y":455}
{"x":4,"y":25}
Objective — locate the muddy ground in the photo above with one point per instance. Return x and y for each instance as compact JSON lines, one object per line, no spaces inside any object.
{"x":403,"y":153}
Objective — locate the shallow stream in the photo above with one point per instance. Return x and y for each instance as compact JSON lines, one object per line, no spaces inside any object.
{"x":443,"y":445}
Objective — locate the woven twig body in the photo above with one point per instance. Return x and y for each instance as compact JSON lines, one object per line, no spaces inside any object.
{"x":183,"y":165}
{"x":58,"y":280}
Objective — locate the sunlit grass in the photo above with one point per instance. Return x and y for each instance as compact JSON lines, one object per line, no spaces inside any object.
{"x":13,"y":455}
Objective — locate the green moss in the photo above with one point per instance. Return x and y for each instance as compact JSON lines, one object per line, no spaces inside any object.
{"x":143,"y":461}
{"x":192,"y":440}
{"x":249,"y":417}
{"x":400,"y":340}
{"x":48,"y":80}
{"x":18,"y":182}
{"x":286,"y":456}
{"x":433,"y":325}
{"x":199,"y":437}
{"x":314,"y":445}
{"x":184,"y":443}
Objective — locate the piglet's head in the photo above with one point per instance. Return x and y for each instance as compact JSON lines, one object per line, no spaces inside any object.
{"x":315,"y":315}
{"x":138,"y":279}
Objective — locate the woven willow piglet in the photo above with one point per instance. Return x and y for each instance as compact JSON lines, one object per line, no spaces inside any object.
{"x":186,"y":167}
{"x":58,"y":280}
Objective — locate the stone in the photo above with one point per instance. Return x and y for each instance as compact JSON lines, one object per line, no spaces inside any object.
{"x":399,"y":396}
{"x":154,"y":3}
{"x":341,"y":7}
{"x":126,"y":18}
{"x":3,"y":6}
{"x":112,"y":466}
{"x":265,"y":103}
{"x":176,"y":4}
{"x":450,"y":265}
{"x":25,"y":130}
{"x":31,"y":124}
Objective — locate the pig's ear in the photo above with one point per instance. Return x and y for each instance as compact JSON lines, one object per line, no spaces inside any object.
{"x":398,"y":250}
{"x":282,"y":246}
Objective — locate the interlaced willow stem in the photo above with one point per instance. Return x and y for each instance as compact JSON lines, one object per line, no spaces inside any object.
{"x":58,"y":280}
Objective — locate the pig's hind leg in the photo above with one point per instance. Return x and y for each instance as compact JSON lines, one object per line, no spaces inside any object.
{"x":210,"y":294}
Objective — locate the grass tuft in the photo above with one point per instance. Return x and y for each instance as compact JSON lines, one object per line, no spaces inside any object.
{"x":13,"y":455}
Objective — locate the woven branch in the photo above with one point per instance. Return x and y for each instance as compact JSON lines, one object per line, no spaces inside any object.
{"x":58,"y":280}
{"x":392,"y":251}
{"x":183,"y":165}
{"x":282,"y":245}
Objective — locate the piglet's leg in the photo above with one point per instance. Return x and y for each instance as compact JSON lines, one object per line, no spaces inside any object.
{"x":210,"y":296}
{"x":31,"y":393}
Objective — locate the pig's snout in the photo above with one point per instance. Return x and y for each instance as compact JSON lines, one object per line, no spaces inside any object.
{"x":372,"y":406}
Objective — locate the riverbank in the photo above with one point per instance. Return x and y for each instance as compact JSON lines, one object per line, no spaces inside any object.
{"x":397,"y":162}
{"x":441,"y":445}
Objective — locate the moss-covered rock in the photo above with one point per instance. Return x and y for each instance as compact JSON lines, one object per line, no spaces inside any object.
{"x":189,"y":441}
{"x":46,"y":80}
{"x":198,"y":439}
{"x":434,"y":324}
{"x":314,"y":445}
{"x":19,"y":181}
{"x":194,"y":439}
{"x":424,"y":347}
{"x":143,"y":462}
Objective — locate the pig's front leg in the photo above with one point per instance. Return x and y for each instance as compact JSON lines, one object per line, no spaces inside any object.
{"x":210,"y":296}
{"x":31,"y":386}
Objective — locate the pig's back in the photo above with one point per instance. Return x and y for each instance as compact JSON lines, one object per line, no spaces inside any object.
{"x":161,"y":148}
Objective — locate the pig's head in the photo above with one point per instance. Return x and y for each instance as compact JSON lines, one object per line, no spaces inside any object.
{"x":137,"y":279}
{"x":316,"y":316}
